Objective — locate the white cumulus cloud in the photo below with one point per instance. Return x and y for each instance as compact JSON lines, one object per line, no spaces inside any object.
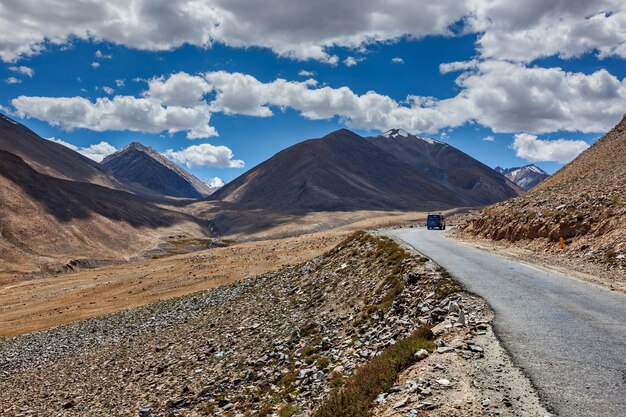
{"x":302,"y":29}
{"x":97,"y":151}
{"x":503,"y":96}
{"x":525,"y":31}
{"x":299,"y":29}
{"x":21,"y":69}
{"x":457,"y":66}
{"x":350,"y":61}
{"x":397,"y":60}
{"x":205,"y":155}
{"x":215,"y":182}
{"x":139,"y":114}
{"x":101,"y":55}
{"x":12,"y":80}
{"x":489,"y":138}
{"x":533,"y":149}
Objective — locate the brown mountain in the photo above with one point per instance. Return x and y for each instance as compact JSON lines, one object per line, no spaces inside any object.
{"x":52,"y":218}
{"x":584,"y":202}
{"x":344,"y":171}
{"x":53,"y":159}
{"x":143,"y":165}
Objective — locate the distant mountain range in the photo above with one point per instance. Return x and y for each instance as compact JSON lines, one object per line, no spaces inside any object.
{"x":143,"y":165}
{"x":57,"y":203}
{"x":525,"y":177}
{"x":343,"y":171}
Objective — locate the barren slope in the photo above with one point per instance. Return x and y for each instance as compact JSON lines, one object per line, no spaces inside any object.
{"x":584,"y":203}
{"x":143,"y":165}
{"x":53,"y":159}
{"x":55,"y":218}
{"x":344,"y":171}
{"x":278,"y":342}
{"x":43,"y":302}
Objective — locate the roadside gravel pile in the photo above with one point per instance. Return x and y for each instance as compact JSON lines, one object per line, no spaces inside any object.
{"x":584,"y":203}
{"x":275,"y":343}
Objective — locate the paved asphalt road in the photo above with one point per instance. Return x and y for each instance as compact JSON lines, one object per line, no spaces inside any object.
{"x":567,"y":335}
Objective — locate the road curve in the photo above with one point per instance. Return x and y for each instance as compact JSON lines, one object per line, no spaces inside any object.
{"x":567,"y":335}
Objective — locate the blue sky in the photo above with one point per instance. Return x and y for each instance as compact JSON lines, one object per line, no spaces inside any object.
{"x":540,"y":102}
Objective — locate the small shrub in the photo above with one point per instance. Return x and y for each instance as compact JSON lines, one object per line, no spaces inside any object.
{"x":355,"y":398}
{"x":288,"y":410}
{"x":288,"y":379}
{"x":309,"y":329}
{"x":335,"y":380}
{"x":311,"y":347}
{"x":310,"y":359}
{"x":266,"y":410}
{"x":446,"y":286}
{"x":323,"y":362}
{"x":610,"y":255}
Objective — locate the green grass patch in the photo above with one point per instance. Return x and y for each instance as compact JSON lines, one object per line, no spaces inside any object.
{"x":355,"y":398}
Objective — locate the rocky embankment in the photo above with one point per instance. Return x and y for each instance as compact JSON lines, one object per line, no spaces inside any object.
{"x":592,"y":229}
{"x":584,"y":203}
{"x":276,"y":344}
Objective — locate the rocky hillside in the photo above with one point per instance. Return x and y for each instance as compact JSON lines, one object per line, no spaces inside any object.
{"x":276,"y":343}
{"x":50,"y":218}
{"x":344,"y":171}
{"x":584,"y":203}
{"x":525,"y":177}
{"x":144,"y":165}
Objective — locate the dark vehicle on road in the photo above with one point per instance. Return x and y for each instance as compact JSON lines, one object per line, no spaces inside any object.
{"x":436,"y":221}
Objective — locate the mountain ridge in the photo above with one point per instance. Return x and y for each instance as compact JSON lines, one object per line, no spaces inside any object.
{"x":51,"y":218}
{"x":53,"y":159}
{"x":345,"y":171}
{"x":144,"y":165}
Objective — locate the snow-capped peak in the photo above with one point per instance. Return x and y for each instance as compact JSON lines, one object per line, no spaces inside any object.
{"x":394,"y":133}
{"x":535,"y":168}
{"x":428,"y":140}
